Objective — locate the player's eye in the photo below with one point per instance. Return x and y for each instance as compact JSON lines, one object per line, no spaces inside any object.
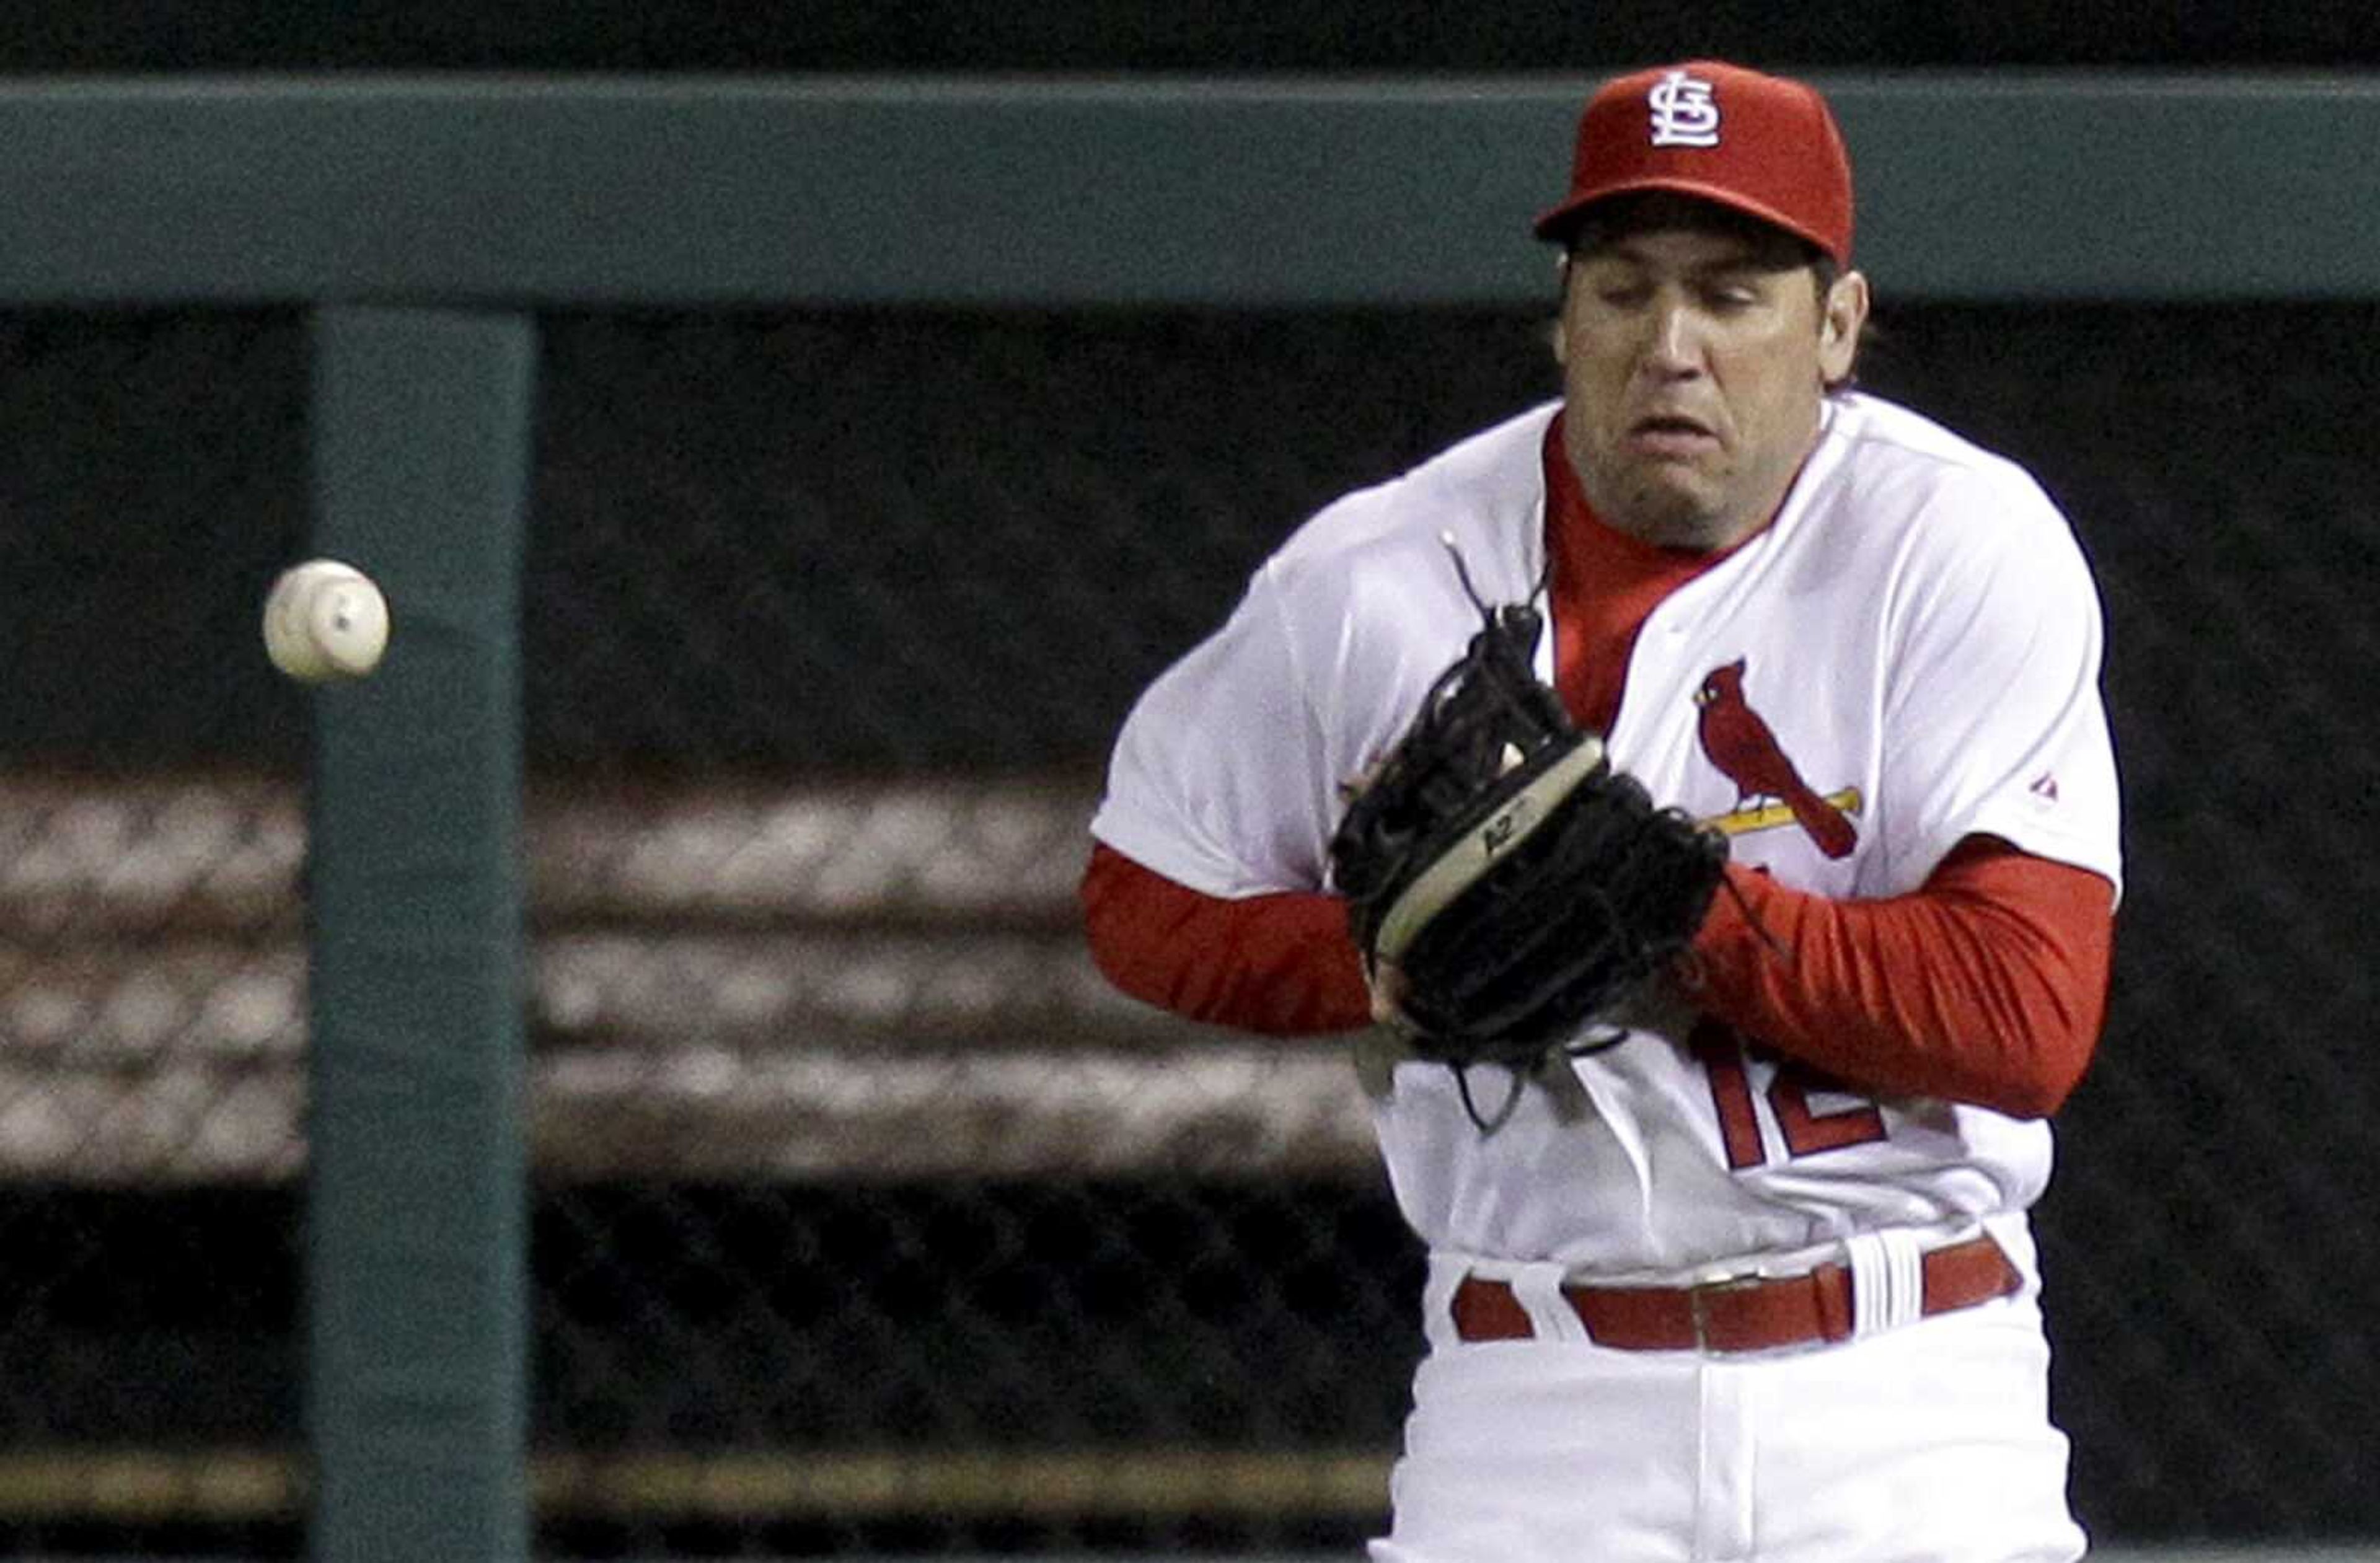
{"x":1732,"y":296}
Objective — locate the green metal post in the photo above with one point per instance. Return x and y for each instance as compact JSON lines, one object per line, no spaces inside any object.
{"x":415,"y":1196}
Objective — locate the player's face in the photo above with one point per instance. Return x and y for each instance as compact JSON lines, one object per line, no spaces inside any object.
{"x":1694,"y":359}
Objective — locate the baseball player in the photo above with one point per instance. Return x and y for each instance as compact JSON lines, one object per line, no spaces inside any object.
{"x":1756,"y":1282}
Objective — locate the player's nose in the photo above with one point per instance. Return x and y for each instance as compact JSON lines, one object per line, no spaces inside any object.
{"x":1674,"y":339}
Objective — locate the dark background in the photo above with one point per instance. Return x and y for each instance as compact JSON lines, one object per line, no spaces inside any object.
{"x":1228,"y":35}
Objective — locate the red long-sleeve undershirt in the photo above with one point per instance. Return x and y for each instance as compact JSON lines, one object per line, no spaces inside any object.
{"x":1986,"y":985}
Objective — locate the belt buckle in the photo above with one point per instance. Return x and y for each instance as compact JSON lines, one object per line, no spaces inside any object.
{"x":1698,"y":1303}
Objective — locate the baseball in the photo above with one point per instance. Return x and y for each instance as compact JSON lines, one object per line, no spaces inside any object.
{"x":325,"y":621}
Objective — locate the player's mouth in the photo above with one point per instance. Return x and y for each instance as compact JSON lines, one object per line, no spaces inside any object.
{"x":1670,"y":436}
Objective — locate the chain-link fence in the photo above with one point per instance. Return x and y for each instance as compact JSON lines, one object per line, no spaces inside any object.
{"x":152,"y":1020}
{"x":865,"y":1217}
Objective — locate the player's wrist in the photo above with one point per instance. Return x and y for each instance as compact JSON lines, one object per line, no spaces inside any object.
{"x":1739,"y":932}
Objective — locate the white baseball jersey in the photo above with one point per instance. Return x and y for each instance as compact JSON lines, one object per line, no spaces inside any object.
{"x":1918,"y":632}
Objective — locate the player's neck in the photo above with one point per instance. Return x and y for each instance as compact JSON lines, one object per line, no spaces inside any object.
{"x":1575,"y":528}
{"x":1706,"y":534}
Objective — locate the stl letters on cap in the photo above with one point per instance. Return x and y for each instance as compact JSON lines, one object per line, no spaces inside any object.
{"x":1684,"y":113}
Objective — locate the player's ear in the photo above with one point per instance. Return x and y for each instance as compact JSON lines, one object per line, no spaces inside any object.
{"x":1556,"y":337}
{"x":1842,"y":315}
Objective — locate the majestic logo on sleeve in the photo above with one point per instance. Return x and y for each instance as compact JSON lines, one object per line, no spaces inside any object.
{"x":1684,"y":113}
{"x":1770,"y":791}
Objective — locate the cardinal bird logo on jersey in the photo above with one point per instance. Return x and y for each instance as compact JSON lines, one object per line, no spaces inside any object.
{"x":1735,"y":739}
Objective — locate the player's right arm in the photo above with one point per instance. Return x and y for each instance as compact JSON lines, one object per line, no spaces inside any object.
{"x":1281,"y":963}
{"x":1204,"y":893}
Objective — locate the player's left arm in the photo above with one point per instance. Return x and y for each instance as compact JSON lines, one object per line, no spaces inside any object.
{"x":1987,"y":982}
{"x":1989,"y":985}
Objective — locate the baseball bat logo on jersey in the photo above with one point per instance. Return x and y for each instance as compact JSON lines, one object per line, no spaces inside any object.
{"x":1770,"y":791}
{"x":1684,"y":113}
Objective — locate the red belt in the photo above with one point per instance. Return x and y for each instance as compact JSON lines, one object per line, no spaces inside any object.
{"x":1757,"y":1314}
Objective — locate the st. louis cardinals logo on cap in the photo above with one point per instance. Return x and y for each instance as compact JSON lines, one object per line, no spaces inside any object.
{"x":1764,"y":145}
{"x":1685,"y":114}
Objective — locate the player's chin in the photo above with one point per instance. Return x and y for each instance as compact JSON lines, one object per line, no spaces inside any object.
{"x":1670,"y":507}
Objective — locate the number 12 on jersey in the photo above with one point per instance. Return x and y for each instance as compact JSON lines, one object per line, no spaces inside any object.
{"x":1726,"y":1056}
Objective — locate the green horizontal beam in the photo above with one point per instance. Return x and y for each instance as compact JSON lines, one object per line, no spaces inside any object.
{"x":561,"y":191}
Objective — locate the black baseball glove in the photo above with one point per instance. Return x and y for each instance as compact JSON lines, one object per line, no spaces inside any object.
{"x":1518,"y":885}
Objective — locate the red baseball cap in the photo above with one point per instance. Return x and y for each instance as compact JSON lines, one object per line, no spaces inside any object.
{"x":1762,"y":144}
